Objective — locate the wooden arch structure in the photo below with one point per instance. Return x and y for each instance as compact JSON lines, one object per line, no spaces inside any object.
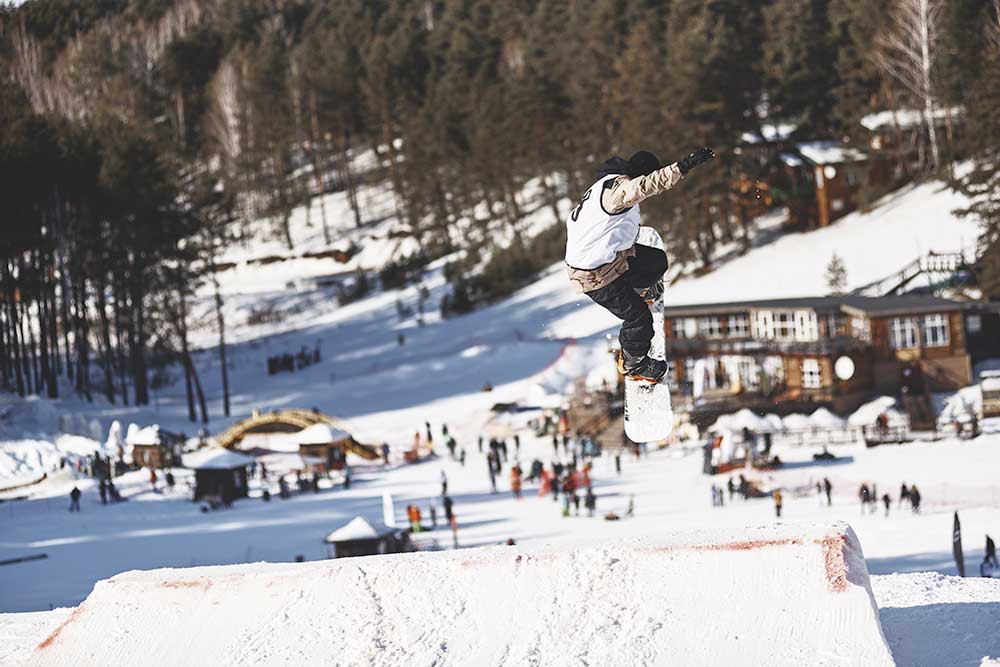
{"x":289,"y":420}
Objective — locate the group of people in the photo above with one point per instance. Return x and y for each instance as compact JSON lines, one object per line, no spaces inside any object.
{"x":289,"y":363}
{"x":870,"y":499}
{"x":415,"y":516}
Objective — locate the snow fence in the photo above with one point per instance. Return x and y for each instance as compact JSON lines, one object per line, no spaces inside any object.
{"x":779,"y":595}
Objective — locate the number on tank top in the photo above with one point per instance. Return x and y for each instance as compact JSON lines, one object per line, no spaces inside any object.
{"x":576,"y":211}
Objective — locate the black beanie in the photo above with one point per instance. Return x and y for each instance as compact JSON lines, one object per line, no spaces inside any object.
{"x":642,"y":163}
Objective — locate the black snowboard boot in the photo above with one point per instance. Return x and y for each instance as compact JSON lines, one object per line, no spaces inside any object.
{"x":641,"y":368}
{"x":652,"y":293}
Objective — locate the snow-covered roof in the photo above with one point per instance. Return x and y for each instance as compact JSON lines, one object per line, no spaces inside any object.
{"x":778,"y":132}
{"x":904,"y":118}
{"x":143,"y":436}
{"x":869,"y":412}
{"x":829,"y":152}
{"x":790,"y":160}
{"x":357,"y":529}
{"x":321,"y":434}
{"x":216,"y":458}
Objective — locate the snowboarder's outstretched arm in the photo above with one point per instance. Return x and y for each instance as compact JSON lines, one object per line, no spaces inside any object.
{"x":626,"y":192}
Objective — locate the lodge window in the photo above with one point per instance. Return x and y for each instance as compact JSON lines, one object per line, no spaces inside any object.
{"x":860,"y":329}
{"x":806,"y":325}
{"x":810,"y":374}
{"x":784,"y":326}
{"x":935,"y":331}
{"x":739,"y":326}
{"x":764,"y":322}
{"x":903,"y":333}
{"x":685,"y":327}
{"x":837,"y":204}
{"x":974,"y":324}
{"x":710,"y":327}
{"x":833,"y":324}
{"x":854,"y":175}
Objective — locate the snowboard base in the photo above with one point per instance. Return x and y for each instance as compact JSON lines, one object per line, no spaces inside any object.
{"x":648,"y":415}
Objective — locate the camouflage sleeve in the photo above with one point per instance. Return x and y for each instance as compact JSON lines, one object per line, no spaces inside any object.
{"x":627,"y":192}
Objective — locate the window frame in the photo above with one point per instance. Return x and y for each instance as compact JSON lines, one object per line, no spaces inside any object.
{"x":936,"y":323}
{"x":904,"y":327}
{"x":812,"y":377}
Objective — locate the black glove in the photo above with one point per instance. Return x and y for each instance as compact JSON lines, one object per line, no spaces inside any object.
{"x":694,"y":159}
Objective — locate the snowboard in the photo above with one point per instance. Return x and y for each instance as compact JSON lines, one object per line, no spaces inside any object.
{"x":648,"y":415}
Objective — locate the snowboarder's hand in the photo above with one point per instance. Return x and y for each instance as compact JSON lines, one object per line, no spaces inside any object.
{"x":697,"y":157}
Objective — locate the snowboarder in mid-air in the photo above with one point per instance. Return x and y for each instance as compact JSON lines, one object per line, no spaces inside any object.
{"x":603,"y":259}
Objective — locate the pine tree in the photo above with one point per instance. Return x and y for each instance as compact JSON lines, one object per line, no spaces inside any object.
{"x":982,"y":183}
{"x":836,"y":275}
{"x":801,"y":57}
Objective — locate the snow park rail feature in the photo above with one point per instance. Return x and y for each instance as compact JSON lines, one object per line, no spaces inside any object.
{"x":779,"y":595}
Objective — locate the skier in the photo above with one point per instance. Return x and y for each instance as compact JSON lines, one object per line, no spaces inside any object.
{"x":74,"y":500}
{"x":602,"y":257}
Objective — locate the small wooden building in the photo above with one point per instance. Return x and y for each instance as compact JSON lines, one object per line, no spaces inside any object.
{"x":219,"y":473}
{"x":361,"y":538}
{"x":819,"y":181}
{"x":153,"y":447}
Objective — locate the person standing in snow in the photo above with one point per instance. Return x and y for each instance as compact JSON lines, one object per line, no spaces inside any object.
{"x":731,"y":487}
{"x":904,"y":494}
{"x":385,"y":453}
{"x":444,"y":484}
{"x":602,"y":257}
{"x":915,"y":499}
{"x":102,"y":489}
{"x":434,"y":516}
{"x":777,"y":503}
{"x":74,"y":500}
{"x":828,"y":489}
{"x":515,"y":480}
{"x":590,"y":501}
{"x":152,"y":479}
{"x":886,"y":500}
{"x":170,"y":481}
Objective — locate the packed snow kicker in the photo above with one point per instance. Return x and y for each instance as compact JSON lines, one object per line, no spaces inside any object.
{"x":628,"y":603}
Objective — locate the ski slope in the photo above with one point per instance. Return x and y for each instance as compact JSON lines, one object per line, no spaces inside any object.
{"x":680,"y":598}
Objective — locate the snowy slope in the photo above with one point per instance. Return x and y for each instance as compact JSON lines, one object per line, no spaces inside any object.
{"x":682,"y":598}
{"x":905,"y":225}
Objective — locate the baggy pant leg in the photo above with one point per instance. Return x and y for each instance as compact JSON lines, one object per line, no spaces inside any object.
{"x":646,"y":267}
{"x":621,"y":300}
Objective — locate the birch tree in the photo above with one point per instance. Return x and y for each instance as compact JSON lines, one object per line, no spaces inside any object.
{"x":906,"y":51}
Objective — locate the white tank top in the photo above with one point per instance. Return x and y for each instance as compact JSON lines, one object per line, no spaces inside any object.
{"x":594,"y":236}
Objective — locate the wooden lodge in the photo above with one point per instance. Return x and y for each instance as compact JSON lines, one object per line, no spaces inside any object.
{"x":834,"y":350}
{"x":819,"y":181}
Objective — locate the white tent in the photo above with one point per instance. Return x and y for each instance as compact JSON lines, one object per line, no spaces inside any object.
{"x":796,"y":422}
{"x":321,"y":434}
{"x":774,"y":422}
{"x":745,"y":418}
{"x":216,"y":458}
{"x":823,"y":418}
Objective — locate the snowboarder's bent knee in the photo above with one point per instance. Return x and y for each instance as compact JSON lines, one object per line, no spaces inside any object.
{"x":603,"y":259}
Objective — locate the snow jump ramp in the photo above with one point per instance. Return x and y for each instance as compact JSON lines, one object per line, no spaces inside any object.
{"x":780,"y":595}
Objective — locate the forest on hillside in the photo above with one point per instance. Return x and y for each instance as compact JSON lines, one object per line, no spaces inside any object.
{"x":144,"y":136}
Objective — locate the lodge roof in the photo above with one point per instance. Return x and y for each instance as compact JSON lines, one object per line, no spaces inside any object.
{"x":895,"y":304}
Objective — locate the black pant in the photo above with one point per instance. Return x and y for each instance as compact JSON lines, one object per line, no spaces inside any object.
{"x":620,"y":298}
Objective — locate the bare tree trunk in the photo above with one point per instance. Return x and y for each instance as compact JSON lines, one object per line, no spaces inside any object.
{"x":317,"y":167}
{"x":222,"y":342}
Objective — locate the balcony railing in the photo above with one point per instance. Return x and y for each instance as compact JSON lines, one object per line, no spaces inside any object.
{"x":760,"y":347}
